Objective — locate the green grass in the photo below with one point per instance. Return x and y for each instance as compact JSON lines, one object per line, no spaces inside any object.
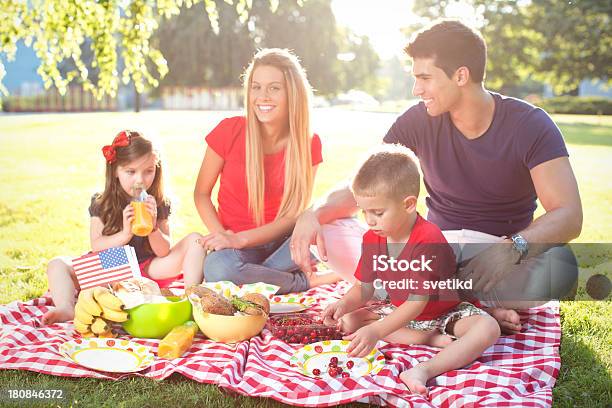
{"x":51,"y":164}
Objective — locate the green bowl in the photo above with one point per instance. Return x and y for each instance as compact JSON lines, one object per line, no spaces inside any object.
{"x":155,"y":320}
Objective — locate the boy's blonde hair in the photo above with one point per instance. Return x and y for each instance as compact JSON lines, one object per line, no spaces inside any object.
{"x":391,"y":171}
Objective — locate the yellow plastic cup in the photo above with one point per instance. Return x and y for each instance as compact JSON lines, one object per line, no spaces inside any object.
{"x":143,"y":222}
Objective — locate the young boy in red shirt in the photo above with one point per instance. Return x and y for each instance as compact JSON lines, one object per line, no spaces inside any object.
{"x":407,"y":264}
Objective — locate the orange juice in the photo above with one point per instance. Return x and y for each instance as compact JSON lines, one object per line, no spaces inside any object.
{"x":143,"y":222}
{"x":178,"y":341}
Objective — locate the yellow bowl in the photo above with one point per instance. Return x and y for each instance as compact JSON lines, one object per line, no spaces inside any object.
{"x":228,"y":329}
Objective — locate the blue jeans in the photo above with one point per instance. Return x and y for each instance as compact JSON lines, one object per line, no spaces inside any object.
{"x":270,"y":263}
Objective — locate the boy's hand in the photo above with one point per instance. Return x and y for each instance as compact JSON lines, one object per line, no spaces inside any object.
{"x":128,"y":218}
{"x":333,"y":313}
{"x":151,"y":206}
{"x":362,"y":341}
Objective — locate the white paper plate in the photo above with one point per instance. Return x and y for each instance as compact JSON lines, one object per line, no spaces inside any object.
{"x":110,"y":355}
{"x":290,"y":303}
{"x":318,"y":355}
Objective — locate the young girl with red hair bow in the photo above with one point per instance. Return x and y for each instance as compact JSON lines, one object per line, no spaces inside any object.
{"x":131,"y":161}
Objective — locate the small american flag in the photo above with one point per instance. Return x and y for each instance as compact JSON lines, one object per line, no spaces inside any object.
{"x":110,"y":265}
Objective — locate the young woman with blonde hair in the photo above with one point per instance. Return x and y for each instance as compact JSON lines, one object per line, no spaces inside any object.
{"x":266,"y":162}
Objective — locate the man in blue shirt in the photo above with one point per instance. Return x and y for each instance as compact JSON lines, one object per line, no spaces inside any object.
{"x":485,"y":159}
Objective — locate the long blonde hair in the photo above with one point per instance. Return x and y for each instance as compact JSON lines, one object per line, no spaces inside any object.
{"x":299,"y":175}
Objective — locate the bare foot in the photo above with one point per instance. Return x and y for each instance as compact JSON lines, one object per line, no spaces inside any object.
{"x":316,"y":279}
{"x":509,"y":320}
{"x":58,"y":315}
{"x":415,"y":379}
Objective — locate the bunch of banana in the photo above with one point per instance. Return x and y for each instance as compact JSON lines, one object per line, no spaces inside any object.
{"x":95,"y":310}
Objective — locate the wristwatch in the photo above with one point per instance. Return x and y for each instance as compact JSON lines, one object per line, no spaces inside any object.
{"x":520,"y":245}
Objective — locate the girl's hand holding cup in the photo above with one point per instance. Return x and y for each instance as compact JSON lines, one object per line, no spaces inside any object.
{"x":151,"y":206}
{"x":128,"y":218}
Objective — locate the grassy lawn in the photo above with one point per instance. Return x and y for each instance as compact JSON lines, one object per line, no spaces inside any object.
{"x":51,"y":164}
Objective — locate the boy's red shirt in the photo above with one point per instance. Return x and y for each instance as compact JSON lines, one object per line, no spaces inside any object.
{"x":426,"y":242}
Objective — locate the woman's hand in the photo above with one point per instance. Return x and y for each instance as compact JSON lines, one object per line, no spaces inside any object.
{"x":222,"y":240}
{"x":151,"y":206}
{"x":128,"y":218}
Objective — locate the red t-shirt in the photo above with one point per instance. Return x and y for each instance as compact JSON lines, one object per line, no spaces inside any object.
{"x":434,"y":261}
{"x":228,"y":140}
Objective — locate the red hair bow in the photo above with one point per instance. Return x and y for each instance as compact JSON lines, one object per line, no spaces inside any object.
{"x":121,"y":140}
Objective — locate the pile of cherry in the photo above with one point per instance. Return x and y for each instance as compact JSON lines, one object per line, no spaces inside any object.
{"x":335,"y":370}
{"x":302,"y":328}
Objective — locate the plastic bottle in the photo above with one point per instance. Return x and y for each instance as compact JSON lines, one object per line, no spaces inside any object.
{"x":143,"y":222}
{"x":177,"y":341}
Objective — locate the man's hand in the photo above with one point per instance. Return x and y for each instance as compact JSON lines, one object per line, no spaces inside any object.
{"x":362,"y":341}
{"x":307,"y":231}
{"x":490,"y":266}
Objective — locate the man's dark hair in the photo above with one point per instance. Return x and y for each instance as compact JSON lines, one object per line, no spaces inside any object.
{"x":451,"y":44}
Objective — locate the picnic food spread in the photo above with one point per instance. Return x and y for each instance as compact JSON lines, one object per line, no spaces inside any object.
{"x":302,"y":328}
{"x":228,"y":319}
{"x":215,"y":303}
{"x":95,"y":311}
{"x":150,"y":313}
{"x":223,"y":312}
{"x":260,"y":368}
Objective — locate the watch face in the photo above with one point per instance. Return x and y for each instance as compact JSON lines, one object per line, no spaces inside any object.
{"x":520,"y":244}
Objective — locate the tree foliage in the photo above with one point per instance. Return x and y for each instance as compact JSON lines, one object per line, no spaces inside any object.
{"x":577,"y":39}
{"x":113,"y":30}
{"x":196,"y":56}
{"x":359,"y":69}
{"x":561,"y":43}
{"x":310,"y":32}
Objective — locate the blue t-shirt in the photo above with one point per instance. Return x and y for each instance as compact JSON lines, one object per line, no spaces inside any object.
{"x":481,"y":184}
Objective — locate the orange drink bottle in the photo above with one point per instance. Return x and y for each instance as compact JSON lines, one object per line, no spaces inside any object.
{"x":178,"y":341}
{"x":143,"y":222}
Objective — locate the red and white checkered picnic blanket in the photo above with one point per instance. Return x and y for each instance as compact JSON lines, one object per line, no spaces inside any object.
{"x":518,"y":370}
